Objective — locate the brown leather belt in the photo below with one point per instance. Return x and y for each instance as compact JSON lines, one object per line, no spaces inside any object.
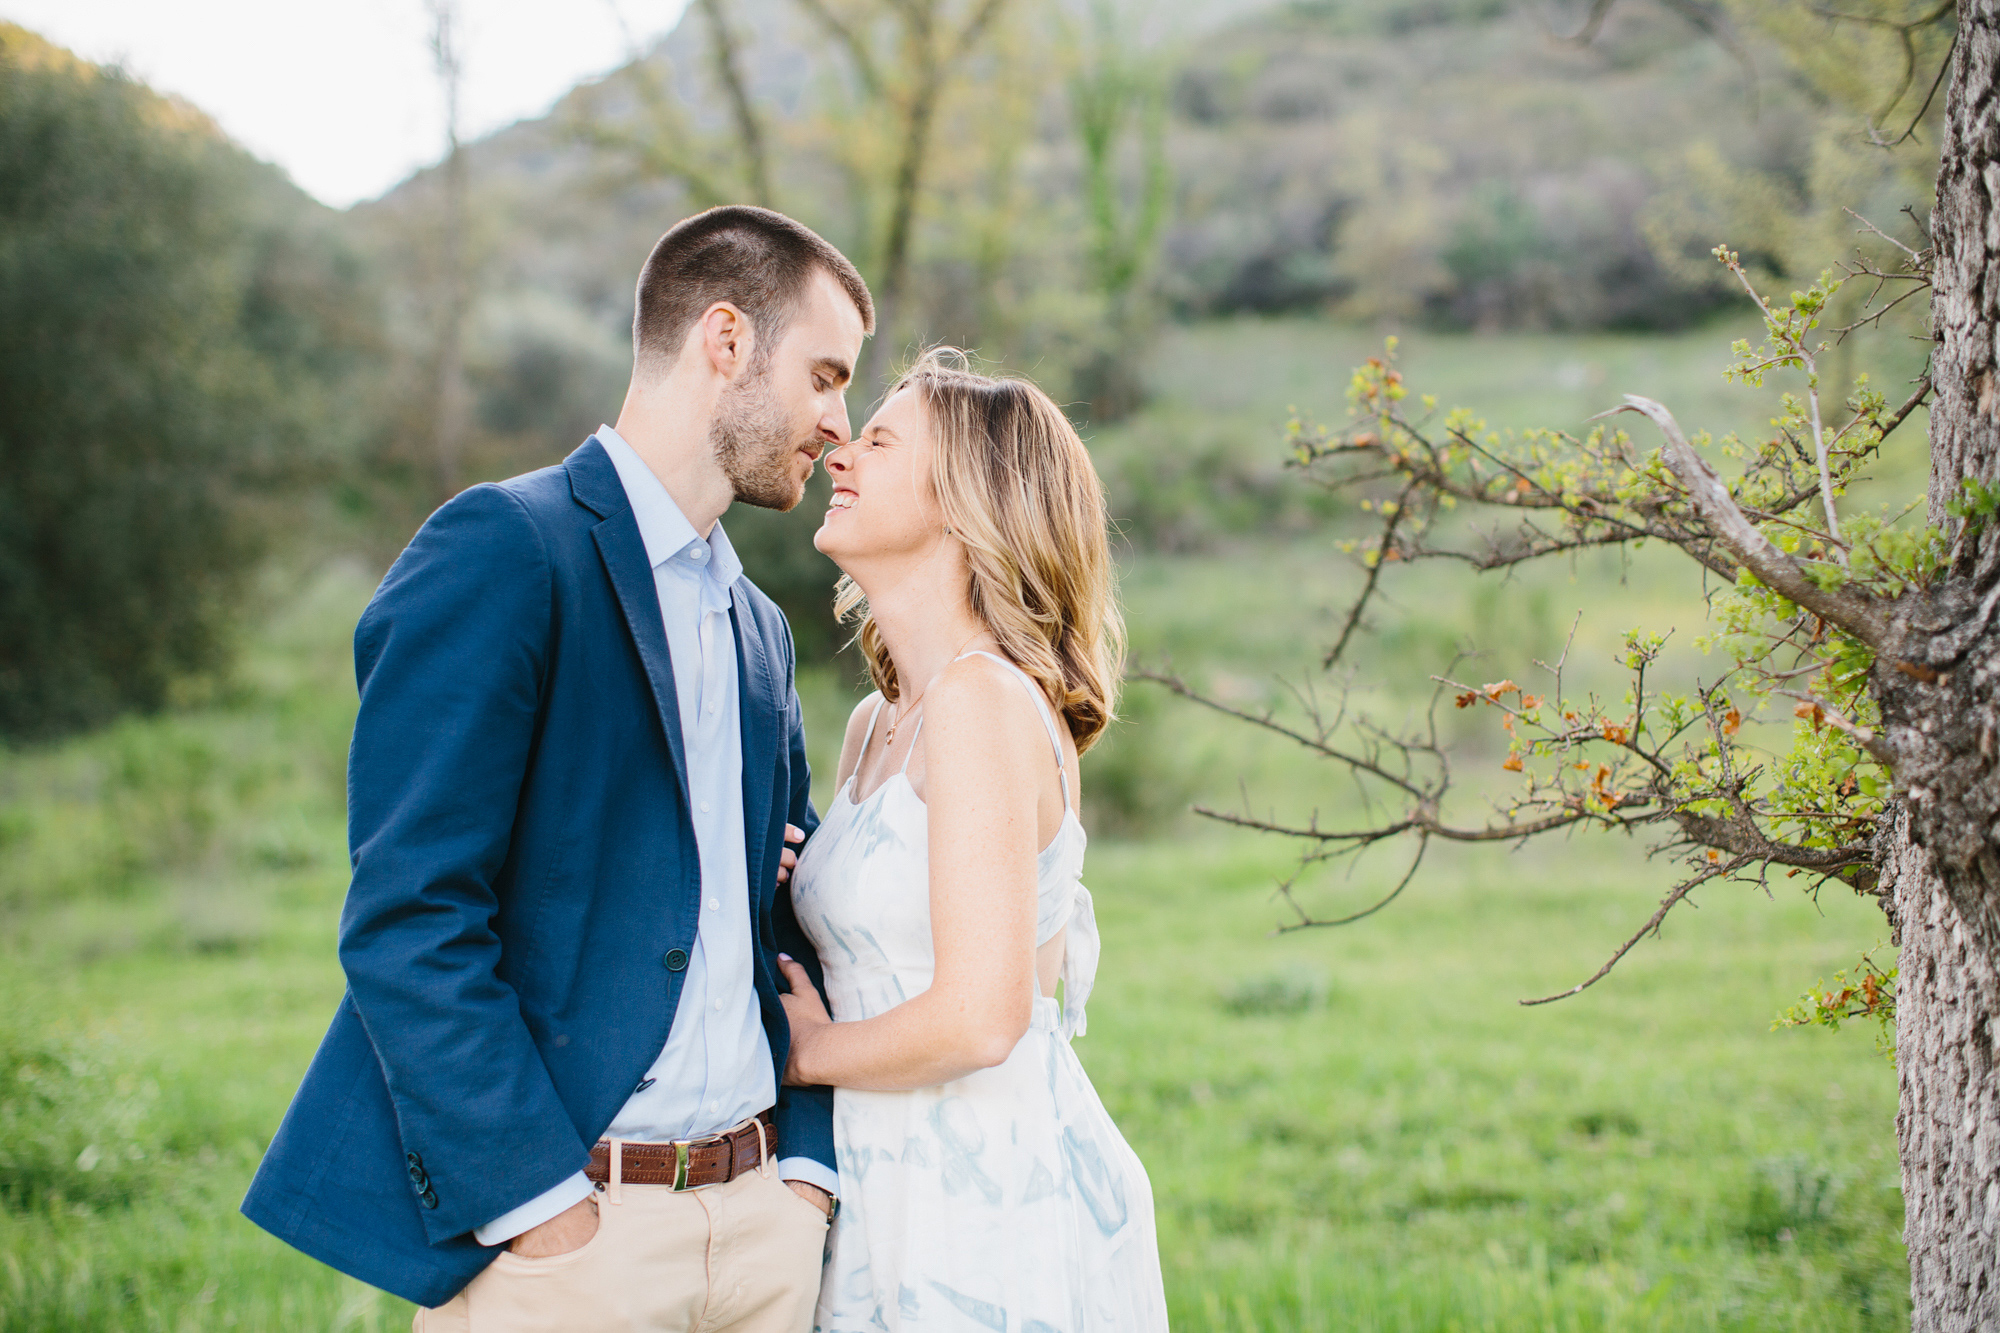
{"x":689,"y":1163}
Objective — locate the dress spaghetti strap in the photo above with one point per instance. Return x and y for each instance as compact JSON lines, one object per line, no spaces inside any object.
{"x":1041,"y":702}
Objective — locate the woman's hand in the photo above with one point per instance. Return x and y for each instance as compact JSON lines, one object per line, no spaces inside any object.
{"x":789,"y":858}
{"x":806,"y":1014}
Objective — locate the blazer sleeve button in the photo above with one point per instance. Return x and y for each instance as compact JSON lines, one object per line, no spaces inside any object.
{"x":429,"y":1198}
{"x":676,"y":960}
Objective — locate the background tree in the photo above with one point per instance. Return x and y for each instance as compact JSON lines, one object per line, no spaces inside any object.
{"x":904,"y":58}
{"x":663,"y":141}
{"x":173,"y":320}
{"x":1117,"y":99}
{"x":451,"y":275}
{"x":1877,"y":636}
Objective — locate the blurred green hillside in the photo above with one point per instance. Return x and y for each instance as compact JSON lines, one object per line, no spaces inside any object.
{"x":1094,"y":175}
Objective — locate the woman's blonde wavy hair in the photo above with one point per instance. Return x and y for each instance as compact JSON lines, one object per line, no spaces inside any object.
{"x":1017,"y":489}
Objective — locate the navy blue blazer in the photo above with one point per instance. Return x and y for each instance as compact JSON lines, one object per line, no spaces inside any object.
{"x":525,"y":889}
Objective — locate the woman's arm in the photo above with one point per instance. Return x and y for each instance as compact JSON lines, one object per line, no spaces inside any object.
{"x":986,"y":756}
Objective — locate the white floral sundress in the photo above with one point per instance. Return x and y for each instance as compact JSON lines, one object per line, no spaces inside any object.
{"x":1006,"y":1200}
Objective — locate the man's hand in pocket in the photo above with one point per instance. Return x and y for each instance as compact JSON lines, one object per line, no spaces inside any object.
{"x":568,"y":1230}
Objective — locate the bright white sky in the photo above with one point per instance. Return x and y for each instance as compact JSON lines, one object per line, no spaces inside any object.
{"x":343,"y":95}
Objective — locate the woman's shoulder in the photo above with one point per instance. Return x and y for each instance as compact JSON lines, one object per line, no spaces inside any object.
{"x":857,"y":720}
{"x":979,"y":691}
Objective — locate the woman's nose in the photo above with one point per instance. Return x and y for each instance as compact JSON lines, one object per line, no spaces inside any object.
{"x":836,"y":458}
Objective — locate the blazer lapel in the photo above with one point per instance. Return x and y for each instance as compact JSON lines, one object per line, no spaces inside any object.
{"x":594,"y":484}
{"x":760,"y":710}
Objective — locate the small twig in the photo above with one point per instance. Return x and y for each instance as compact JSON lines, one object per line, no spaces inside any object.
{"x":1944,"y":67}
{"x":1307,"y":922}
{"x":1270,"y":723}
{"x":1374,"y":576}
{"x":1652,"y":926}
{"x":1883,"y":234}
{"x":1865,"y":737}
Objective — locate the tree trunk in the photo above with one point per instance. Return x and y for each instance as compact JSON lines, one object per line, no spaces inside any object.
{"x":1941,"y":710}
{"x":1946,"y":995}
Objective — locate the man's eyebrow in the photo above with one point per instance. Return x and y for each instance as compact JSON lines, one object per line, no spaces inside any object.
{"x":834,"y":368}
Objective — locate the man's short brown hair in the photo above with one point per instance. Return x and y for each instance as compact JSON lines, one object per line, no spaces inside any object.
{"x":758,"y":260}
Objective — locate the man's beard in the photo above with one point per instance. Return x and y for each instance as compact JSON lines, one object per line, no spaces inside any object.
{"x":749,"y":438}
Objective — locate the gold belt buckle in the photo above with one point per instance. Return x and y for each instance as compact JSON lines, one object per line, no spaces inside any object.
{"x":681,"y":1147}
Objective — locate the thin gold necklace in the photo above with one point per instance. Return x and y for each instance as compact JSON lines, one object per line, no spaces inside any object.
{"x":903,"y":712}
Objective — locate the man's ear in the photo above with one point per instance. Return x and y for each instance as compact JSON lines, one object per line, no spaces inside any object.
{"x":727,"y":339}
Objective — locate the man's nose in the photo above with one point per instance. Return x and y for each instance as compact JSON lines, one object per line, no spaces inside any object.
{"x":833,"y":427}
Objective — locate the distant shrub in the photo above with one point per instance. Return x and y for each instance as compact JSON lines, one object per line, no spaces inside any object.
{"x":1290,"y":992}
{"x":171,"y":318}
{"x":1788,"y":1201}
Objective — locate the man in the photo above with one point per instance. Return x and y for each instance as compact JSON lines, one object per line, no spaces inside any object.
{"x":551,"y":1096}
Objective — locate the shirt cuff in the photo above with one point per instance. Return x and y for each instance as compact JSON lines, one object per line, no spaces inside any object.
{"x":538,"y":1210}
{"x":808,"y":1172}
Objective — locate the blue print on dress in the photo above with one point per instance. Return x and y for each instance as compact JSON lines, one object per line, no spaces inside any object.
{"x":1102,"y":1190}
{"x":957,"y":1127}
{"x":985,"y":1312}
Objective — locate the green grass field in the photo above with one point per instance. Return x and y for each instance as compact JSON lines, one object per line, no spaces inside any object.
{"x":1346,"y":1130}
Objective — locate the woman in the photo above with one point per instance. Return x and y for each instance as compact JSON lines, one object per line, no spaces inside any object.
{"x":983,"y":1185}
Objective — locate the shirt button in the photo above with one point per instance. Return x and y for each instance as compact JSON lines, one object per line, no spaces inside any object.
{"x":714,"y":904}
{"x":718,"y":1006}
{"x":697,"y":553}
{"x":704,"y":807}
{"x":711,"y":710}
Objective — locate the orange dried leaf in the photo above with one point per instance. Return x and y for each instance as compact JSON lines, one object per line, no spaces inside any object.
{"x":1616,"y":735}
{"x":1500,"y":687}
{"x":1714,"y":856}
{"x":1512,"y":764}
{"x":1466,"y":700}
{"x":1731,"y":721}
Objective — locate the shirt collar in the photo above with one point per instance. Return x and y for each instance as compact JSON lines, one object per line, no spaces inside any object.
{"x":663,"y":528}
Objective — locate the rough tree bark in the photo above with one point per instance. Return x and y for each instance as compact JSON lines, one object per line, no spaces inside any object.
{"x":1941,"y":712}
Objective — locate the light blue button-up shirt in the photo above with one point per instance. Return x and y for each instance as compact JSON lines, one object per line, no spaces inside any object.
{"x":715,"y":1070}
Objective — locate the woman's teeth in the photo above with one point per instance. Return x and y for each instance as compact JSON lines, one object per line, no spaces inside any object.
{"x":841,"y":500}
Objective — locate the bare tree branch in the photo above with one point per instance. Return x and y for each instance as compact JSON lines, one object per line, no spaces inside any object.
{"x":1859,"y":615}
{"x":1307,"y":922}
{"x":726,"y":57}
{"x":1382,"y":550}
{"x":851,"y":41}
{"x":1675,"y":896}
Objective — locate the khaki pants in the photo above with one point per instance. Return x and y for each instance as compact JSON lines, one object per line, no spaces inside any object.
{"x":737,"y":1258}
